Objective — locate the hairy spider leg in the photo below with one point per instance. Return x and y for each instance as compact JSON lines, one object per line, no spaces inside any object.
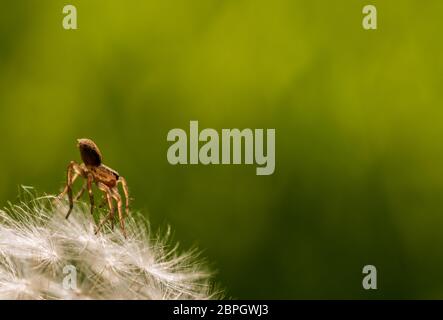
{"x":91,"y":194}
{"x":72,"y":178}
{"x":126,"y":192}
{"x":118,"y":198}
{"x":107,"y":192}
{"x":74,"y":170}
{"x":82,"y":190}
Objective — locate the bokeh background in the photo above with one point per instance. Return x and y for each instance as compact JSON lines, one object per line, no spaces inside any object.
{"x":358,"y":118}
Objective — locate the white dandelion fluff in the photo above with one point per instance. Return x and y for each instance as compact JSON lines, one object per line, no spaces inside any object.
{"x":39,"y":248}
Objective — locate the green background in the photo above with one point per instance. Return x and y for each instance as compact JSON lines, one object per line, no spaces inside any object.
{"x":358,"y":118}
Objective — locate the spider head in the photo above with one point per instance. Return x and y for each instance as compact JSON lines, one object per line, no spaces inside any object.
{"x":89,"y":152}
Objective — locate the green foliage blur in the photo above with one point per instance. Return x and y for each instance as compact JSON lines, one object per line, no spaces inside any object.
{"x":358,"y":117}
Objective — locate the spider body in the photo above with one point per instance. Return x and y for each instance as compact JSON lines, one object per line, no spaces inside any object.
{"x":95,"y":172}
{"x":105,"y":175}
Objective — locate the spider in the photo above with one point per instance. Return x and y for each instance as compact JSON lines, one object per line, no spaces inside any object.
{"x":106,"y":179}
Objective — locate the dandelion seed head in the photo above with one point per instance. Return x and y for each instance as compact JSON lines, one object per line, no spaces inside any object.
{"x":37,"y":242}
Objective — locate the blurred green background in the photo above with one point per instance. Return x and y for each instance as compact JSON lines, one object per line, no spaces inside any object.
{"x":358,"y":118}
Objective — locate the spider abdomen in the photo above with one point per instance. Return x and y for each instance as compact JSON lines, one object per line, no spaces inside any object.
{"x":89,"y":152}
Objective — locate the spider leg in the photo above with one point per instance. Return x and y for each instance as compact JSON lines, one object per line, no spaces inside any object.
{"x":71,"y":202}
{"x":80,"y":193}
{"x":118,"y":198}
{"x":126,"y":192}
{"x":73,"y":171}
{"x":72,"y":179}
{"x":107,"y":191}
{"x":69,"y":180}
{"x":91,"y":195}
{"x":108,"y":196}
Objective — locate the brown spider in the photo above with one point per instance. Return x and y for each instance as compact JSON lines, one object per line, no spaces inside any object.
{"x":104,"y":177}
